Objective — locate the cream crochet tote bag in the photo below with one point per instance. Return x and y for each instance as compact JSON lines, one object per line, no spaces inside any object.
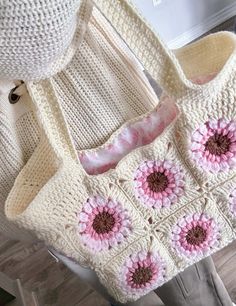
{"x":167,"y":203}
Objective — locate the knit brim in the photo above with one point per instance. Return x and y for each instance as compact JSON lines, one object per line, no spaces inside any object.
{"x":39,"y":38}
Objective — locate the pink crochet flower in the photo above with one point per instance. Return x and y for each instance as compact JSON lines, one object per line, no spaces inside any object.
{"x":142,"y":272}
{"x":195,"y":234}
{"x":232,"y":202}
{"x":158,"y":183}
{"x":103,"y":223}
{"x":213,"y":145}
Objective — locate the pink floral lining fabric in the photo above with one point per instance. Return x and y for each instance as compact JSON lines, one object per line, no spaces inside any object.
{"x":103,"y":223}
{"x":139,"y":133}
{"x":136,"y":134}
{"x":200,"y":80}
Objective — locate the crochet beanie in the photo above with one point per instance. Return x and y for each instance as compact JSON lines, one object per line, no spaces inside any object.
{"x":39,"y":37}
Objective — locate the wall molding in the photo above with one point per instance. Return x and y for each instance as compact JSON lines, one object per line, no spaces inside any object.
{"x":203,"y":27}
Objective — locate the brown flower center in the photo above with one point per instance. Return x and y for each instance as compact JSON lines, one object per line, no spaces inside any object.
{"x":103,"y":223}
{"x":218,"y":144}
{"x":196,"y":235}
{"x":142,"y":275}
{"x":157,"y":181}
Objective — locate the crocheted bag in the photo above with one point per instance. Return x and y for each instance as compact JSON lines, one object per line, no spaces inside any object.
{"x":167,"y":203}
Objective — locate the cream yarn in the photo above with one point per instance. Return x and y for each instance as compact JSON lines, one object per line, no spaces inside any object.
{"x":19,"y":136}
{"x":104,"y":77}
{"x":20,"y":133}
{"x":169,"y":203}
{"x":38,"y":38}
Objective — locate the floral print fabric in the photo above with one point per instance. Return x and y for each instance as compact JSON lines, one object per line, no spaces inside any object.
{"x":134,"y":135}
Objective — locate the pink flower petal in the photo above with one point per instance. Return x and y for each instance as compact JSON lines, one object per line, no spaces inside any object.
{"x":142,"y":260}
{"x":196,"y":234}
{"x":169,"y":193}
{"x":116,"y":232}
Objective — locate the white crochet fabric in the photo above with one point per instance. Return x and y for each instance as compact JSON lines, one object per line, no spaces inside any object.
{"x":19,"y":135}
{"x":19,"y":130}
{"x":164,"y":205}
{"x":38,"y":38}
{"x":103,"y":76}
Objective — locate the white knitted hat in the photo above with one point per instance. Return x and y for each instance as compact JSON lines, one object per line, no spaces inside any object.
{"x":39,"y":37}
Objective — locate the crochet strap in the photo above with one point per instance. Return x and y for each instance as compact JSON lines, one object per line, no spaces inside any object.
{"x":152,"y":52}
{"x":52,"y":120}
{"x":148,"y":47}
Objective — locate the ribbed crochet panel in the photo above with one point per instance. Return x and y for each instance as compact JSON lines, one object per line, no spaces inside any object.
{"x":38,"y":38}
{"x":165,"y":205}
{"x":102,"y":87}
{"x":20,"y":133}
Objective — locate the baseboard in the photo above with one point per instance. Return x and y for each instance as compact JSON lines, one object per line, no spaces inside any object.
{"x":204,"y":27}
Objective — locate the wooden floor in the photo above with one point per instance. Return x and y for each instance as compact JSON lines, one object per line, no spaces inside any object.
{"x":52,"y":282}
{"x":55,"y":285}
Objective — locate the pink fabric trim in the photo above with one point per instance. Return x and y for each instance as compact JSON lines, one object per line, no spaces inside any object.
{"x":203,"y":79}
{"x":136,"y":134}
{"x":140,"y":132}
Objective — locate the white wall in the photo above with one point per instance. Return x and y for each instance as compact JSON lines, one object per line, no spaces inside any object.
{"x":180,"y":21}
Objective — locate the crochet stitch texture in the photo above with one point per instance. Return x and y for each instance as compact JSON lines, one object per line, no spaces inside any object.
{"x":165,"y":205}
{"x":38,"y":38}
{"x":20,"y":132}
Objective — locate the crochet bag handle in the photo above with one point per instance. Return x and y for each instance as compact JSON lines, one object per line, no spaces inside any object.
{"x":51,"y":118}
{"x":148,"y":47}
{"x":155,"y":56}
